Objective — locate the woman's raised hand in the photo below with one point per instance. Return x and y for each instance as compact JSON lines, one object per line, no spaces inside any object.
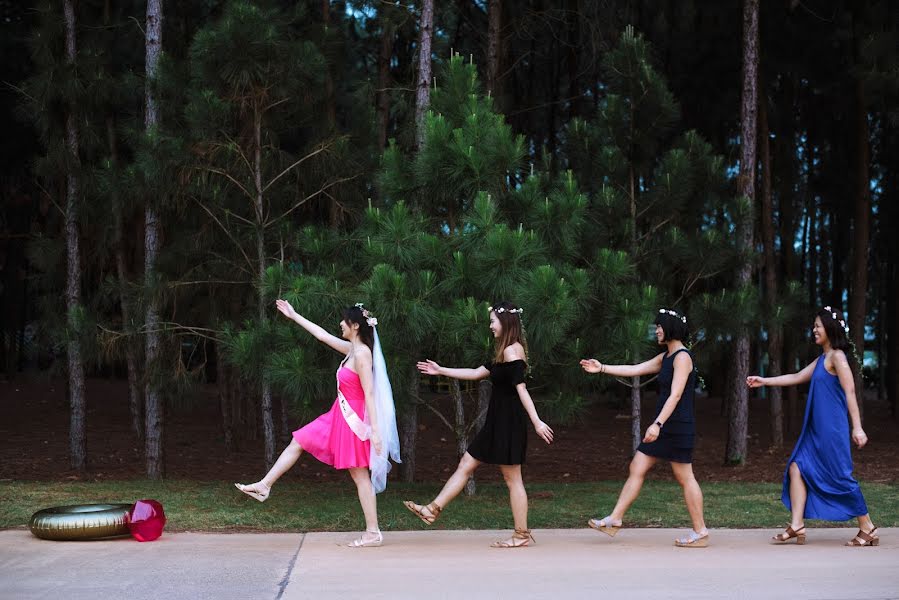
{"x":285,"y":308}
{"x":544,"y":431}
{"x":591,"y":365}
{"x":428,"y":367}
{"x":755,"y":381}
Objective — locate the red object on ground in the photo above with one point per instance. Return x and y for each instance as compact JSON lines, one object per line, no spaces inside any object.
{"x":146,"y":520}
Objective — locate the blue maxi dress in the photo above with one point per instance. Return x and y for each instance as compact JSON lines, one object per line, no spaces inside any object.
{"x":823,"y":455}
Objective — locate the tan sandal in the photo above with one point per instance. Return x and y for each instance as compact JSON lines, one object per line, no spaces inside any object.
{"x":694,"y":540}
{"x":604,"y":525}
{"x":520,"y":534}
{"x":359,"y":543}
{"x":864,"y":538}
{"x":789,"y":534}
{"x":433,"y":508}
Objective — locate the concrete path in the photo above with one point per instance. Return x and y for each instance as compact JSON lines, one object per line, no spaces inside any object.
{"x":638,"y":563}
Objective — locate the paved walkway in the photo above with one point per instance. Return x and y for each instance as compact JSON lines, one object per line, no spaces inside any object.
{"x":638,"y":563}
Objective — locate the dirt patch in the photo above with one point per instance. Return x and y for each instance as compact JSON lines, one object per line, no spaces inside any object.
{"x":34,"y":442}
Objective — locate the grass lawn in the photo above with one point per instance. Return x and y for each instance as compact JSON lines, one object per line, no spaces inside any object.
{"x":214,"y":506}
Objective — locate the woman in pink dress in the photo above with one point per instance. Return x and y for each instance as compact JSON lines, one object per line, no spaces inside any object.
{"x":359,"y":432}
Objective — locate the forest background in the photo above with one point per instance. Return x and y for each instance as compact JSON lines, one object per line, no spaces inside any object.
{"x":169,"y":169}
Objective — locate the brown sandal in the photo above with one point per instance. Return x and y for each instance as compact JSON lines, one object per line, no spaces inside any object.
{"x":864,"y":538}
{"x":520,"y":534}
{"x":434,"y":508}
{"x":789,"y":534}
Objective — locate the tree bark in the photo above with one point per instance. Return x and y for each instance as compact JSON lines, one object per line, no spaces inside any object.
{"x":409,"y":428}
{"x":383,"y":95}
{"x":860,"y":238}
{"x":738,"y":427}
{"x":461,"y":429}
{"x":494,"y":49}
{"x":423,"y":85}
{"x":775,"y":330}
{"x":135,"y":394}
{"x":77,"y":403}
{"x":154,"y":405}
{"x":268,"y":423}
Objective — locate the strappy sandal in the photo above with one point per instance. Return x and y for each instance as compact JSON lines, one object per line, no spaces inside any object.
{"x":359,"y":543}
{"x":524,"y":535}
{"x":789,"y":534}
{"x":433,"y":508}
{"x":864,"y":538}
{"x":255,"y":493}
{"x":694,"y":540}
{"x":604,"y":525}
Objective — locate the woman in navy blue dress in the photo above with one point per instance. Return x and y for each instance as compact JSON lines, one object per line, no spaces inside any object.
{"x":670,"y":437}
{"x":818,"y":482}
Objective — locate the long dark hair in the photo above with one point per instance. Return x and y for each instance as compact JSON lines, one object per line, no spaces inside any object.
{"x":835,"y":327}
{"x":513,"y":331}
{"x":353,"y":314}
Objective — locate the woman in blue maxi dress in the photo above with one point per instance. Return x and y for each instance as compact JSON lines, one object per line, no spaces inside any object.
{"x":818,"y":482}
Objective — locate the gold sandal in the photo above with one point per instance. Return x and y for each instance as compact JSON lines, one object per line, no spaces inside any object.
{"x":604,"y":525}
{"x":520,"y":534}
{"x":789,"y":534}
{"x":434,"y":508}
{"x":864,"y":538}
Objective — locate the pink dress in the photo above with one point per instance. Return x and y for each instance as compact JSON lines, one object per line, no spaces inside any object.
{"x":329,"y":438}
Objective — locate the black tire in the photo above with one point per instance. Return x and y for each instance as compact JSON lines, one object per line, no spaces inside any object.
{"x":81,"y":522}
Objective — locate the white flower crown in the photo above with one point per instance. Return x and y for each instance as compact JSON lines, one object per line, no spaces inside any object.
{"x":833,"y":315}
{"x":502,"y":310}
{"x":369,"y":318}
{"x":665,"y":311}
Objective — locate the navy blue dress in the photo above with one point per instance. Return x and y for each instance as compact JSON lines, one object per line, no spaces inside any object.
{"x":823,"y":455}
{"x":675,"y":441}
{"x":503,"y":440}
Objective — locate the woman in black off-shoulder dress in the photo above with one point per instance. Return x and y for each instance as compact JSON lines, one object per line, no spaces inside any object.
{"x":503,"y":438}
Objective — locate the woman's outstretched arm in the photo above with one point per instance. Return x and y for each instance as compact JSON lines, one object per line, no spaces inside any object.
{"x":318,"y":332}
{"x":429,"y":367}
{"x":650,"y":367}
{"x":803,"y":376}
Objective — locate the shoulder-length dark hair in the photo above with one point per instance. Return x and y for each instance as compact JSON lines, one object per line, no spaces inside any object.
{"x":512,"y":329}
{"x":674,"y":326}
{"x":353,"y":314}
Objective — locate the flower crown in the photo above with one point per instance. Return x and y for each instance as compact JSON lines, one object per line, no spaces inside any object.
{"x":833,"y":315}
{"x":369,"y":318}
{"x":502,"y":310}
{"x":665,"y":311}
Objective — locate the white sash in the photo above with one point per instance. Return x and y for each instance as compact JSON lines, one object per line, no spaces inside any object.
{"x":361,"y":429}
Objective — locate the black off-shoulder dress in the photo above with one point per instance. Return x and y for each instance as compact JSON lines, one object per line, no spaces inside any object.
{"x":504,"y":438}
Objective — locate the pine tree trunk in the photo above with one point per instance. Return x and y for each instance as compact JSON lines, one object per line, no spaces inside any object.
{"x":786,"y":166}
{"x":423,"y":85}
{"x":77,"y":403}
{"x":494,"y":49}
{"x":154,"y":408}
{"x":461,"y":429}
{"x":775,"y":331}
{"x":409,"y":428}
{"x":226,"y":403}
{"x":738,"y":426}
{"x":285,"y":420}
{"x":383,"y":94}
{"x":893,"y":339}
{"x":268,"y":423}
{"x":636,"y":425}
{"x":135,"y":396}
{"x":860,"y":238}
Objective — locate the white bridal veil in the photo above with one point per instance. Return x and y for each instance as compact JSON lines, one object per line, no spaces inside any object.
{"x":384,"y":408}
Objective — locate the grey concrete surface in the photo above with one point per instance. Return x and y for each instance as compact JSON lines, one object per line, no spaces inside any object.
{"x":638,"y":563}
